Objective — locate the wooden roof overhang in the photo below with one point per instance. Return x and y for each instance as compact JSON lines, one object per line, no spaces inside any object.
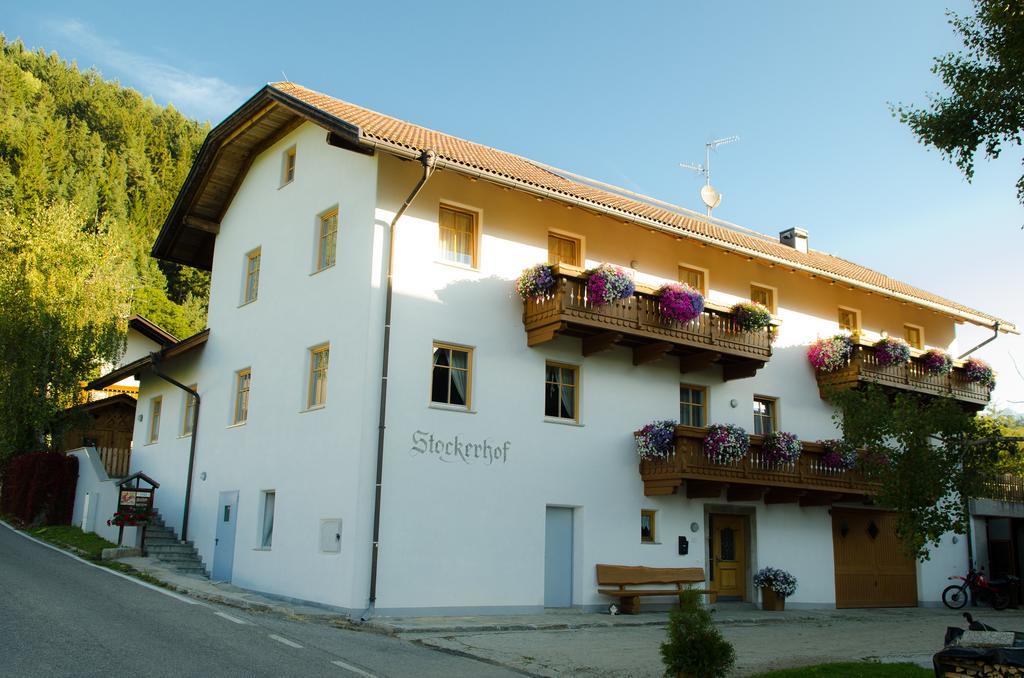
{"x":136,"y":367}
{"x":151,"y":330}
{"x":190,"y":230}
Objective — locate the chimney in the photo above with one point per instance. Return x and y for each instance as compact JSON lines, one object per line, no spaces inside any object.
{"x":794,"y":237}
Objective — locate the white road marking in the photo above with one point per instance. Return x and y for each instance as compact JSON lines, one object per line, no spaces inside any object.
{"x":354,"y":669}
{"x":141,"y":583}
{"x":285,"y":641}
{"x":230,"y":618}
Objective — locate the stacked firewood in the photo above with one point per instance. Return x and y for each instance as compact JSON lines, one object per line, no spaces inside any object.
{"x":973,"y":667}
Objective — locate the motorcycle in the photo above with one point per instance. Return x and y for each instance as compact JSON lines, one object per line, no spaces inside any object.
{"x":996,"y":592}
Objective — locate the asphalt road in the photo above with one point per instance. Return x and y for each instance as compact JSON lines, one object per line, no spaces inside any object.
{"x":62,"y":617}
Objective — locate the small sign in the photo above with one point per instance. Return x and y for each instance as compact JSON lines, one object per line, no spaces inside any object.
{"x":457,"y":449}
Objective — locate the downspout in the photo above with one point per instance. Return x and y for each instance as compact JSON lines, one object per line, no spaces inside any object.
{"x":994,"y":336}
{"x":428,"y":159}
{"x":192,"y":444}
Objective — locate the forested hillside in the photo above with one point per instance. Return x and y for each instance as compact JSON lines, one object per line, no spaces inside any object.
{"x":88,"y":170}
{"x":71,"y":137}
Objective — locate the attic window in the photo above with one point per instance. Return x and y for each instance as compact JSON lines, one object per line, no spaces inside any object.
{"x":288,"y":166}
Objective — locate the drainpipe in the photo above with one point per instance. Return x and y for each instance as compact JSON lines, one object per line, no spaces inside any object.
{"x":428,"y":159}
{"x":192,"y":444}
{"x":994,"y":336}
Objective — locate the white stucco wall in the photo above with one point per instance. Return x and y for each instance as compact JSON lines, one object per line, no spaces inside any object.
{"x":96,"y":498}
{"x":455,"y":535}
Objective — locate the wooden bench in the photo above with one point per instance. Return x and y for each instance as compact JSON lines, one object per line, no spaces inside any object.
{"x":622,"y":576}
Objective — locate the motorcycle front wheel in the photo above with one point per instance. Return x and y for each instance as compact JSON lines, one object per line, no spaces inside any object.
{"x":955,"y":597}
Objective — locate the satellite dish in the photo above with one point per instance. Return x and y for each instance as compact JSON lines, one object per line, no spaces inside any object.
{"x":710,"y":196}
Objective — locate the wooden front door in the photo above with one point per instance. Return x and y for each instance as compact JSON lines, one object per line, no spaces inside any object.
{"x":729,"y":556}
{"x":872,"y":569}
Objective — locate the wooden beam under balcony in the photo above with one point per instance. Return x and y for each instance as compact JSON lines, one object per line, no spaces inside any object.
{"x":636,"y":323}
{"x":647,"y":353}
{"x":745,"y":492}
{"x":702,"y":489}
{"x":596,"y":343}
{"x":695,"y":362}
{"x":820,"y":498}
{"x":783,"y":495}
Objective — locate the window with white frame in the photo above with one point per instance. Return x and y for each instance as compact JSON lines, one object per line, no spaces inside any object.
{"x":267,"y":519}
{"x":318,"y":360}
{"x":327,"y":242}
{"x":189,"y":412}
{"x":155,"y":407}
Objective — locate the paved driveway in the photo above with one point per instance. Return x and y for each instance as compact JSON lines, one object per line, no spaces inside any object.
{"x":63,"y":617}
{"x":762,"y":642}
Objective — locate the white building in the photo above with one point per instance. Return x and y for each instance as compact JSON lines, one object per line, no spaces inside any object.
{"x":507,"y":468}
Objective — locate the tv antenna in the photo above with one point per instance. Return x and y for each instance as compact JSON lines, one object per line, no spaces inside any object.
{"x":709,"y":194}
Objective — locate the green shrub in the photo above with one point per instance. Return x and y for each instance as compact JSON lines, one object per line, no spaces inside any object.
{"x":695,"y":648}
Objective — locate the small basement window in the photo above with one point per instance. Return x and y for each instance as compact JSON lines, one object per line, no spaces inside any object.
{"x":288,"y":166}
{"x":647,"y":526}
{"x":267,"y":522}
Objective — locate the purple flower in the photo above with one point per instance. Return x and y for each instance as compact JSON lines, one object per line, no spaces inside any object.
{"x":937,"y":362}
{"x":680,"y":303}
{"x":751,"y":316}
{"x":831,"y":354}
{"x":656,"y":440}
{"x":891,"y":351}
{"x":726,"y":443}
{"x":536,"y":281}
{"x":838,"y":455}
{"x":608,"y":283}
{"x":780,"y":447}
{"x":979,"y":372}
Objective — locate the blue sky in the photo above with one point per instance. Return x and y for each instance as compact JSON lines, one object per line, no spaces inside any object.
{"x":623,"y":93}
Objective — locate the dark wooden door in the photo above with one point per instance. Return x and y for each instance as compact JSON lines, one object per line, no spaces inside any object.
{"x":872,"y":569}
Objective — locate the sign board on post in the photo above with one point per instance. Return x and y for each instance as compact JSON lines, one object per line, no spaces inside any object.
{"x":134,"y":504}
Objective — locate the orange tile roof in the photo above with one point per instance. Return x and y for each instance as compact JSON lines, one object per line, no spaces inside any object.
{"x":490,"y":161}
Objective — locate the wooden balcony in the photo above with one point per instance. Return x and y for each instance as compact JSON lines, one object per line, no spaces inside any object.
{"x":637,"y":323}
{"x":864,"y":368}
{"x":807,"y":481}
{"x":1005,"y":488}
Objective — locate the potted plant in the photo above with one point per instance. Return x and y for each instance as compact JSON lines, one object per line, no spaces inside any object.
{"x":608,"y":283}
{"x":726,"y":443}
{"x":891,"y":351}
{"x":830,"y":354}
{"x":695,"y":648}
{"x":839,"y":455}
{"x":776,"y":585}
{"x":979,"y":372}
{"x":751,"y":316}
{"x":535,"y":282}
{"x":679,"y":303}
{"x":780,"y":448}
{"x":937,"y":361}
{"x":656,"y":440}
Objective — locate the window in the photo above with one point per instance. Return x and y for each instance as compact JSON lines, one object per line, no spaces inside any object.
{"x":267,"y":523}
{"x":252,"y":275}
{"x":327,"y":244}
{"x":188,"y":416}
{"x":288,"y":166}
{"x":561,"y":392}
{"x":693,"y":403}
{"x":457,"y":236}
{"x":450,"y":382}
{"x":647,"y":534}
{"x":155,"y":406}
{"x":564,"y":249}
{"x":697,"y":278}
{"x":765,"y":296}
{"x":914,"y":335}
{"x":849,"y":319}
{"x":243,"y":381}
{"x":318,"y":358}
{"x":764,"y":415}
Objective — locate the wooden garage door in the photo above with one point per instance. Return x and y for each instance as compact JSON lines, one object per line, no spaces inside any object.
{"x":872,"y":570}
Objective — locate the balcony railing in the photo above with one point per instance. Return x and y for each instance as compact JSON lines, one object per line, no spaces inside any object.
{"x":863,"y":367}
{"x":637,"y":322}
{"x":116,"y":461}
{"x":1005,"y":488}
{"x":808,"y":480}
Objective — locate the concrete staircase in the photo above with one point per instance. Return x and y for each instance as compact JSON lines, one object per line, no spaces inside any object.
{"x":163,"y":544}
